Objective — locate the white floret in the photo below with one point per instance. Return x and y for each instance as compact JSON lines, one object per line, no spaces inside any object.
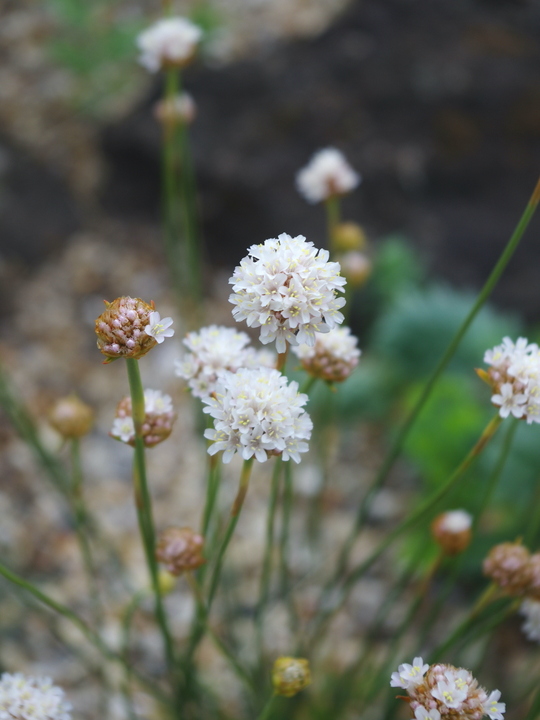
{"x":289,"y":289}
{"x":530,"y":609}
{"x":32,"y":699}
{"x":169,"y":41}
{"x":257,"y":413}
{"x":328,"y":173}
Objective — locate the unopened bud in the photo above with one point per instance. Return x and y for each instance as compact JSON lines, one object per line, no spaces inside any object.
{"x":508,"y":565}
{"x":452,"y":531}
{"x":290,"y":675}
{"x":159,"y":418}
{"x":120,"y":329}
{"x":348,"y":236}
{"x":71,"y":417}
{"x":166,"y":582}
{"x":355,"y":267}
{"x":333,"y":357}
{"x":180,"y":549}
{"x":178,"y":109}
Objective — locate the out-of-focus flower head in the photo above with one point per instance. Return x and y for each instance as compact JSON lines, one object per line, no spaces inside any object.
{"x":257,"y":413}
{"x":452,"y":531}
{"x":29,"y":698}
{"x":290,"y":675}
{"x":170,"y":42}
{"x":180,"y":549}
{"x":214,"y":349}
{"x":514,"y":375}
{"x":326,"y":175}
{"x":446,"y":691}
{"x":333,"y":357}
{"x":530,"y":609}
{"x":71,"y":417}
{"x":178,"y":109}
{"x":289,"y":289}
{"x":158,"y":421}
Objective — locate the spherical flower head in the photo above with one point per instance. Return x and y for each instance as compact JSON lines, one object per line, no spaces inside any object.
{"x":71,"y":417}
{"x":289,"y":289}
{"x":290,"y":675}
{"x":29,"y":698}
{"x":409,"y":675}
{"x":452,"y":530}
{"x":212,"y":350}
{"x":179,"y":109}
{"x":158,"y":421}
{"x":446,"y":691}
{"x":356,"y":267}
{"x":333,"y":357}
{"x":507,"y":564}
{"x":257,"y":413}
{"x":121,"y":330}
{"x":514,"y":375}
{"x":170,"y":42}
{"x":326,"y":175}
{"x":530,"y":609}
{"x":180,"y":549}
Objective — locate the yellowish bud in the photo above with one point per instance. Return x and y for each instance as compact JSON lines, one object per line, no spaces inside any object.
{"x":166,"y":581}
{"x":290,"y":675}
{"x":71,"y":417}
{"x":349,"y":236}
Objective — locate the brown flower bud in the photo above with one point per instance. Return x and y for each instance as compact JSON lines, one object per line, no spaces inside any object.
{"x":120,"y":329}
{"x":452,"y":531}
{"x":158,"y":423}
{"x":290,"y":675}
{"x":349,"y":236}
{"x":180,"y":549}
{"x":508,"y":565}
{"x":356,"y":267}
{"x":71,"y":417}
{"x":172,"y":111}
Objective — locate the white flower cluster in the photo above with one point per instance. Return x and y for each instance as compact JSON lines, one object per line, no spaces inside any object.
{"x":257,"y":413}
{"x":514,"y":374}
{"x":333,"y":357}
{"x":530,"y":609}
{"x":455,"y":521}
{"x":327,"y":174}
{"x":159,"y":419}
{"x":444,"y":691}
{"x":171,"y":41}
{"x":289,"y":289}
{"x":214,"y":349}
{"x":28,"y":698}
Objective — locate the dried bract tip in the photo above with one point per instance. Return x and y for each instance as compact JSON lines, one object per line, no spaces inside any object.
{"x":180,"y":549}
{"x":29,"y":698}
{"x":327,"y":175}
{"x":348,"y":236}
{"x":168,"y":43}
{"x":178,"y":109}
{"x":452,"y":531}
{"x":290,"y":675}
{"x":71,"y":417}
{"x":158,"y":420}
{"x":333,"y":357}
{"x":508,"y":565}
{"x":356,"y":267}
{"x":446,"y":691}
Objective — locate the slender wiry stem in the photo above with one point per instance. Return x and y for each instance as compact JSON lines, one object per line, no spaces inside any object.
{"x":333,"y":211}
{"x":81,"y":528}
{"x":268,"y":708}
{"x":143,"y":503}
{"x":397,"y":446}
{"x":285,"y":589}
{"x":79,"y":623}
{"x":419,"y":514}
{"x":267,"y":561}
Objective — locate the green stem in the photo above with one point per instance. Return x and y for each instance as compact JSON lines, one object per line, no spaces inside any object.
{"x":268,"y":708}
{"x":285,"y":589}
{"x":267,"y":561}
{"x":419,"y":514}
{"x":79,"y":623}
{"x":333,"y":211}
{"x":143,"y":503}
{"x":397,"y":446}
{"x":81,"y":527}
{"x":308,"y":384}
{"x":212,"y":487}
{"x":127,"y":621}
